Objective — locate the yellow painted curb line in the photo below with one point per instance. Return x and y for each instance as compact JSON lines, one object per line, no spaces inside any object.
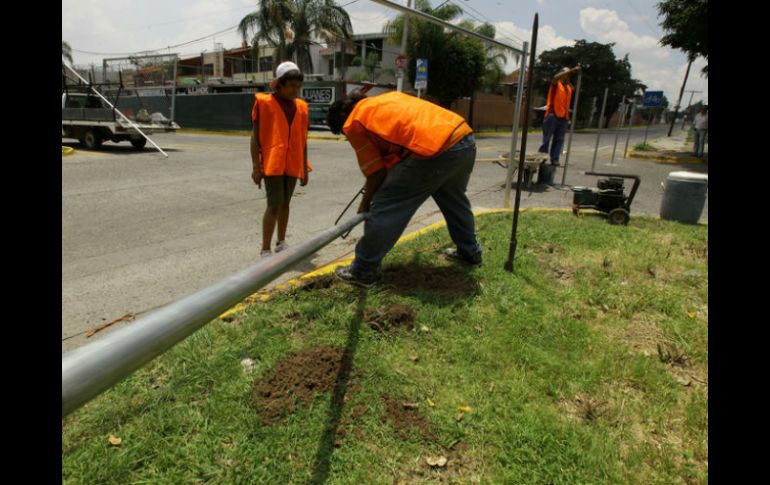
{"x":329,"y":268}
{"x":67,"y":151}
{"x":248,"y":133}
{"x":663,"y":158}
{"x":192,"y":131}
{"x":328,"y":138}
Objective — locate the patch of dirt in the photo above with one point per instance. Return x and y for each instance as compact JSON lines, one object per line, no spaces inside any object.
{"x":460,"y":468}
{"x":390,"y":318}
{"x":294,"y":380}
{"x":403,"y":418}
{"x":319,"y":283}
{"x":353,"y":416}
{"x":585,"y":408}
{"x":445,"y":281}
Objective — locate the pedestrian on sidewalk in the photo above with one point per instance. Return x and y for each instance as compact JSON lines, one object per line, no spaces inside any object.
{"x":701,"y":125}
{"x":408,"y":149}
{"x":280,"y":124}
{"x":557,"y":113}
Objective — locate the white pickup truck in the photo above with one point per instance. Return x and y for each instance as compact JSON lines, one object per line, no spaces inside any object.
{"x":89,"y":119}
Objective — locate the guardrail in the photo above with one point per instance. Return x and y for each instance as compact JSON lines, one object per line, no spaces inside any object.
{"x":92,"y":369}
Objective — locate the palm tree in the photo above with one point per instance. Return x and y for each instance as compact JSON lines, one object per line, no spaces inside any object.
{"x":494,"y":70}
{"x":66,"y":52}
{"x":291,"y":26}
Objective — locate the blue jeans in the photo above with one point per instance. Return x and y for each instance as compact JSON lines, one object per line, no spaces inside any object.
{"x":700,"y":142}
{"x":553,"y":127}
{"x":406,"y":187}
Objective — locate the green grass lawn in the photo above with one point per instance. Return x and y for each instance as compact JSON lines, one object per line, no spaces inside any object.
{"x":587,"y":365}
{"x":645,"y":147}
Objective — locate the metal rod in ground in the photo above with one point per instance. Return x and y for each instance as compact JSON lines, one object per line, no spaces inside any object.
{"x":679,"y":102}
{"x":599,"y":126}
{"x":649,"y":122}
{"x":630,"y":125}
{"x":572,"y":126}
{"x":522,"y":153}
{"x":92,"y":369}
{"x":516,"y":116}
{"x":622,"y":112}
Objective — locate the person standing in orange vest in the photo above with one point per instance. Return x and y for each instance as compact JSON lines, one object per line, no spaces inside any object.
{"x":408,"y":149}
{"x":280,"y":124}
{"x":557,"y":113}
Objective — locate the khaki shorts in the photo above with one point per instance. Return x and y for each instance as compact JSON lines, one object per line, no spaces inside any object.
{"x":279,"y":189}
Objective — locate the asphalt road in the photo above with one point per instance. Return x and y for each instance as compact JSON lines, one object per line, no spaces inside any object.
{"x":140,"y":230}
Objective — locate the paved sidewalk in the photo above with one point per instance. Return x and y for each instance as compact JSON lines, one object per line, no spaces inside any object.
{"x":673,"y":149}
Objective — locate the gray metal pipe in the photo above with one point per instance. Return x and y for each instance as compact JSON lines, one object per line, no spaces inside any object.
{"x":630,"y":127}
{"x":599,"y":131}
{"x":516,"y":116}
{"x":92,"y":369}
{"x":572,"y":127}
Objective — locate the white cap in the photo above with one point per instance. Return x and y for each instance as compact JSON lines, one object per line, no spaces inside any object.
{"x":285,"y":67}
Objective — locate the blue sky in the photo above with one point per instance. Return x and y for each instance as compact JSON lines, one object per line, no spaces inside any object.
{"x":108,"y":28}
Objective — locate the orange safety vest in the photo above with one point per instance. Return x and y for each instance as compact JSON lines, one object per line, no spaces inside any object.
{"x":282,"y":146}
{"x":559,"y":97}
{"x":421,"y":127}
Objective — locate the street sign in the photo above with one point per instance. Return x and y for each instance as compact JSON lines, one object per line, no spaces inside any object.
{"x":323,"y":95}
{"x":652,"y":99}
{"x":421,"y":78}
{"x":401,"y":62}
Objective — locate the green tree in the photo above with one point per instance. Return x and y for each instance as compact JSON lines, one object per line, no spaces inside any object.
{"x":66,"y":52}
{"x":601,"y":69}
{"x":686,"y":27}
{"x":292,"y":25}
{"x":494,"y":66}
{"x":455,"y":62}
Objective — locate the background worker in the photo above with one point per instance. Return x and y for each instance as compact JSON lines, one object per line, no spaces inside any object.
{"x":557,"y":113}
{"x":279,"y":150}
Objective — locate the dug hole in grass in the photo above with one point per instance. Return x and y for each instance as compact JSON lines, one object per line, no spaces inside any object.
{"x":588,"y":364}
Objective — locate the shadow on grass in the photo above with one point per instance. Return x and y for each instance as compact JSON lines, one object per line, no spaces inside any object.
{"x":336,"y":405}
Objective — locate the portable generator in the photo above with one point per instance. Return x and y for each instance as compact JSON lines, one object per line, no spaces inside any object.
{"x":608,"y":197}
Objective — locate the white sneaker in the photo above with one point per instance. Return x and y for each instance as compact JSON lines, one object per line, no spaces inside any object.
{"x":281,"y":246}
{"x":265,"y":254}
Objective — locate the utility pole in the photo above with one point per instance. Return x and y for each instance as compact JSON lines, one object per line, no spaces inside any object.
{"x":681,"y":92}
{"x":401,"y":71}
{"x":689,"y":103}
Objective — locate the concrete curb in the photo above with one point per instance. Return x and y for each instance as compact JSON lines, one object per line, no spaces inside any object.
{"x":67,"y":151}
{"x":248,"y":133}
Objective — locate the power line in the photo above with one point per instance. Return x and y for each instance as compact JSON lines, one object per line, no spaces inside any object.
{"x":155,"y":50}
{"x":490,"y":21}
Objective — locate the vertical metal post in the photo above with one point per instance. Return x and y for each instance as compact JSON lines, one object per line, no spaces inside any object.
{"x":173,"y":92}
{"x":402,"y":72}
{"x":593,"y":111}
{"x":622,"y":112}
{"x":514,"y":241}
{"x":649,"y":122}
{"x":599,"y":126}
{"x":516,"y":116}
{"x":630,"y":125}
{"x":572,"y":126}
{"x":681,"y":92}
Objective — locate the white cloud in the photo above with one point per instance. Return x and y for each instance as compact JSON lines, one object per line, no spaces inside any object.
{"x":660,"y":68}
{"x":606,"y":26}
{"x":547,"y":39}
